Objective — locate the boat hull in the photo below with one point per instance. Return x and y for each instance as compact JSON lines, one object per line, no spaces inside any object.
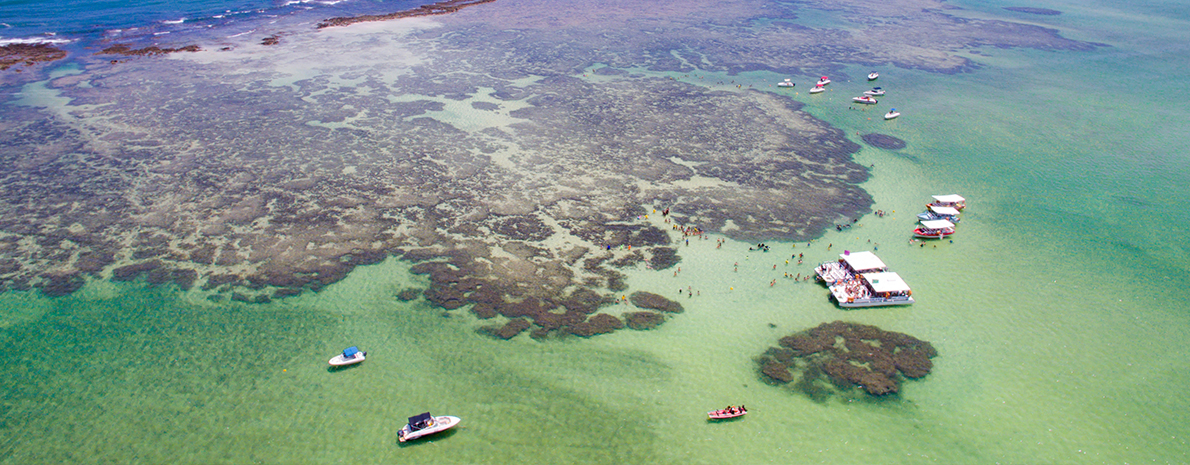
{"x":877,"y":302}
{"x":441,"y":424}
{"x":864,"y":101}
{"x":931,"y":234}
{"x":724,"y":415}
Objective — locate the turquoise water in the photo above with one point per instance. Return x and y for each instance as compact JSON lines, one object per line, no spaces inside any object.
{"x":1058,"y":311}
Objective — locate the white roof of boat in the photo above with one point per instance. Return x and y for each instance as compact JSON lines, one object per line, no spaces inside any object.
{"x":948,"y":211}
{"x":949,"y":198}
{"x":886,"y":282}
{"x":936,"y":224}
{"x":860,"y":261}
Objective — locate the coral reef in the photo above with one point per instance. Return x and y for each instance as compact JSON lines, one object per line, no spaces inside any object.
{"x":883,"y":141}
{"x":653,"y":301}
{"x":29,"y":54}
{"x":641,"y":321}
{"x":849,"y":356}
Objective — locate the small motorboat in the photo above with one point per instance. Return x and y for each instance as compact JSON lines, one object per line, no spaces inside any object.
{"x":866,"y":100}
{"x":935,"y":212}
{"x":350,"y":356}
{"x":892,"y":113}
{"x":875,"y":92}
{"x":934,"y":229}
{"x":424,"y":425}
{"x":873,"y":75}
{"x":786,"y":83}
{"x":822,"y":81}
{"x":729,"y":412}
{"x":817,"y":89}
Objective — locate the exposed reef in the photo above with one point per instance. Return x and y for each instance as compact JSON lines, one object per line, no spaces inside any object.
{"x":152,"y":50}
{"x":29,"y":54}
{"x":1033,"y":11}
{"x":438,"y":8}
{"x":884,"y":141}
{"x":845,"y":357}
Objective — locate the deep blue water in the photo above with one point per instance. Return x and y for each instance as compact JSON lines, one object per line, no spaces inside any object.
{"x":85,"y":22}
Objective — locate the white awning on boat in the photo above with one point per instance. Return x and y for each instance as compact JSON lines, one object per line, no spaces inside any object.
{"x":863,"y":261}
{"x":936,"y":224}
{"x":949,"y":198}
{"x":948,"y":211}
{"x":886,"y":282}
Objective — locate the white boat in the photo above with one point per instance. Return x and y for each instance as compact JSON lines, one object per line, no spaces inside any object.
{"x":934,"y":212}
{"x":350,"y":356}
{"x":875,"y":92}
{"x":949,"y":200}
{"x":786,"y":83}
{"x":873,"y":75}
{"x":866,"y":100}
{"x":424,"y":425}
{"x":934,"y":229}
{"x":892,"y":113}
{"x":822,"y":81}
{"x":817,"y":89}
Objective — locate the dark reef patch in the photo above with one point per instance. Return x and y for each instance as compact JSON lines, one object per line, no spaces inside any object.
{"x":653,"y":301}
{"x":1033,"y":11}
{"x":641,"y":321}
{"x":845,"y":357}
{"x":29,"y":54}
{"x":438,"y":8}
{"x":884,"y":141}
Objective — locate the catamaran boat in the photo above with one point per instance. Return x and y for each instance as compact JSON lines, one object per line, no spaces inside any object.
{"x":934,"y":229}
{"x":950,"y":200}
{"x":848,"y":266}
{"x":861,"y":279}
{"x":822,"y":81}
{"x":786,"y":83}
{"x":873,"y":75}
{"x":424,"y":425}
{"x":350,"y":356}
{"x":817,"y":89}
{"x":875,"y":92}
{"x":892,"y":113}
{"x":934,"y":212}
{"x":866,"y":100}
{"x":872,"y":290}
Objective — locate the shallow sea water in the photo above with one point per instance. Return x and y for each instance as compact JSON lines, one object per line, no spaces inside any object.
{"x":1057,"y":313}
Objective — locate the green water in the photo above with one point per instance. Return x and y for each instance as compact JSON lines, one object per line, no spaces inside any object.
{"x":1058,"y":312}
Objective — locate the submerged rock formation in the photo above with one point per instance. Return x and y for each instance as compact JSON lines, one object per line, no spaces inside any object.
{"x":29,"y":54}
{"x":846,"y":356}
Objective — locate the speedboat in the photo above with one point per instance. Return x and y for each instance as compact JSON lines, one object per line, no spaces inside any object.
{"x":350,"y":356}
{"x":786,"y":83}
{"x":935,"y":212}
{"x":817,"y":89}
{"x":424,"y":425}
{"x":934,"y":229}
{"x":729,"y":412}
{"x":866,"y":100}
{"x":950,"y":200}
{"x":822,"y":81}
{"x":875,"y":92}
{"x":892,"y":113}
{"x":873,"y":75}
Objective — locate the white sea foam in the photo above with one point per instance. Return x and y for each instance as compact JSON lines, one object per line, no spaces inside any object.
{"x":176,"y":21}
{"x":34,"y":40}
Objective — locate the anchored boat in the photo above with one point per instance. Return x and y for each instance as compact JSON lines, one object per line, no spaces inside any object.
{"x":424,"y":425}
{"x":822,"y":81}
{"x":875,"y":92}
{"x":786,"y":83}
{"x":934,"y":229}
{"x":866,"y":100}
{"x":729,"y":412}
{"x":350,"y":356}
{"x":892,"y":113}
{"x":873,"y":75}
